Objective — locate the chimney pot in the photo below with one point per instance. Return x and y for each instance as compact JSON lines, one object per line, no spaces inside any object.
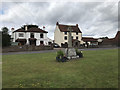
{"x":26,"y":27}
{"x":77,"y":25}
{"x":57,"y":23}
{"x":43,"y":27}
{"x":12,"y":29}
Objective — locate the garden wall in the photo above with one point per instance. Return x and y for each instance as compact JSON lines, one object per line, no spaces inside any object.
{"x":25,"y":48}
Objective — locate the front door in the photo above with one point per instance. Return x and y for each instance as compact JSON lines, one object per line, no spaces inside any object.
{"x":33,"y":42}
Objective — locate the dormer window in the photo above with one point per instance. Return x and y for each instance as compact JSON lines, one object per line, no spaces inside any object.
{"x":65,"y":33}
{"x":21,"y":35}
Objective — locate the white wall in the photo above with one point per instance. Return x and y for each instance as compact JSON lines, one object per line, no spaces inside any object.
{"x":79,"y":36}
{"x":45,"y":39}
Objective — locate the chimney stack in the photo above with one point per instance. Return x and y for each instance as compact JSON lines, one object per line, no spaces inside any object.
{"x":26,"y":28}
{"x":77,"y":25}
{"x":57,"y":23}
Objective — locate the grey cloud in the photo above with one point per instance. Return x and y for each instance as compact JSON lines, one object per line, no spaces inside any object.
{"x":94,"y":18}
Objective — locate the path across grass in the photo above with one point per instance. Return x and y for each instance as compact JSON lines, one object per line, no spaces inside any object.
{"x":98,"y":69}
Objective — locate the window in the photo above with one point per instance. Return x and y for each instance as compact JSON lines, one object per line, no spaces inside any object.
{"x":72,"y":37}
{"x":76,"y":37}
{"x":76,"y":43}
{"x":49,"y":43}
{"x":66,"y":43}
{"x":76,"y":33}
{"x":21,"y":35}
{"x":41,"y":35}
{"x":65,"y":37}
{"x":32,"y":35}
{"x":65,"y":33}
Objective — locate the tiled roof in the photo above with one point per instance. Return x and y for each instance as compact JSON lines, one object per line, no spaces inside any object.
{"x":19,"y":30}
{"x":88,"y":39}
{"x":117,"y":35}
{"x":21,"y":40}
{"x":64,"y":28}
{"x":114,"y":40}
{"x":36,"y":30}
{"x":33,"y":29}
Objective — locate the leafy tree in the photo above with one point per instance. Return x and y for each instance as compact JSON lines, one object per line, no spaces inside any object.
{"x":5,"y":37}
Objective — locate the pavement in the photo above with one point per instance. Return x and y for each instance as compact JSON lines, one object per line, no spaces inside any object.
{"x":29,"y":52}
{"x":47,"y":51}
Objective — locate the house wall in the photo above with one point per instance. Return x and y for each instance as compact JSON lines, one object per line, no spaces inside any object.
{"x":26,"y":36}
{"x":15,"y":36}
{"x":82,"y":42}
{"x":44,"y":39}
{"x":59,"y":36}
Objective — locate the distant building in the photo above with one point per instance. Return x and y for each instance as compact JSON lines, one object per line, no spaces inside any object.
{"x":112,"y":41}
{"x":30,"y":35}
{"x":61,"y":34}
{"x":89,"y":41}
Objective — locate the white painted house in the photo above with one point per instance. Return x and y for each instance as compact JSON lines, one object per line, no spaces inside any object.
{"x":31,"y":35}
{"x":61,"y":34}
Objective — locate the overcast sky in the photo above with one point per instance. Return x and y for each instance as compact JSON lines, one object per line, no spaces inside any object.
{"x":95,"y":19}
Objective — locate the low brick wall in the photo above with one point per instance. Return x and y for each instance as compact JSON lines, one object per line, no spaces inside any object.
{"x":107,"y":46}
{"x":25,"y":48}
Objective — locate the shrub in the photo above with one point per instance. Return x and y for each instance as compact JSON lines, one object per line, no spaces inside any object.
{"x":60,"y":53}
{"x":79,"y":53}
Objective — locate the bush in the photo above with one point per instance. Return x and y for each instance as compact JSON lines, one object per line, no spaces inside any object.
{"x":79,"y":53}
{"x":60,"y":53}
{"x":60,"y":56}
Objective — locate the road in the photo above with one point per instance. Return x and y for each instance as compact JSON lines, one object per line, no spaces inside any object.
{"x":28,"y":52}
{"x":46,"y":51}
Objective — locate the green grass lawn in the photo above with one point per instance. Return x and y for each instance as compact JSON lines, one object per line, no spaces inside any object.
{"x":98,"y":69}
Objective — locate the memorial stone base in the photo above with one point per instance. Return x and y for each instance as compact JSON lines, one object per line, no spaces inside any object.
{"x":70,"y":53}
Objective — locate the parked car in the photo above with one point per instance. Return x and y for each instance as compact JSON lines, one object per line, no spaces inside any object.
{"x":55,"y":45}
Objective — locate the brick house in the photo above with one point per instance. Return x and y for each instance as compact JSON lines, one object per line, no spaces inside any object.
{"x":89,"y":41}
{"x":112,"y":41}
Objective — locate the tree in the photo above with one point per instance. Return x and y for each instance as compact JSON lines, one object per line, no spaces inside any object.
{"x":5,"y":37}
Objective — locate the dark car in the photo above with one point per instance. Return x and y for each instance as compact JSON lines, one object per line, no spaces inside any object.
{"x":55,"y":45}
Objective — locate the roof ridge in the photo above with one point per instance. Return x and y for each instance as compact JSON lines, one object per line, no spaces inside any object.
{"x":67,"y":25}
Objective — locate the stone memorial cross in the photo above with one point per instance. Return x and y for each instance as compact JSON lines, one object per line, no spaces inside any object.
{"x":69,"y":37}
{"x":70,"y":51}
